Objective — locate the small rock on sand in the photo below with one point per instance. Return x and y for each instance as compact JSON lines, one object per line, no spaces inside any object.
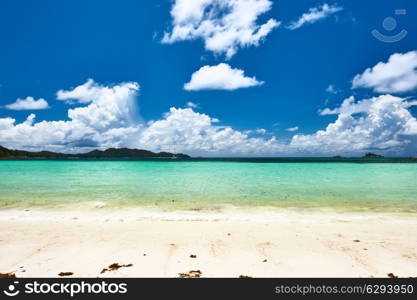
{"x":7,"y":275}
{"x":114,"y":267}
{"x":191,"y":274}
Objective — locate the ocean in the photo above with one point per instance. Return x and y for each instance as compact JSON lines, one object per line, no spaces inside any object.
{"x":207,"y":184}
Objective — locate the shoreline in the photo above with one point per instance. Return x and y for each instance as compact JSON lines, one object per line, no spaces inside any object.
{"x":222,"y":212}
{"x":167,"y":207}
{"x":43,"y":242}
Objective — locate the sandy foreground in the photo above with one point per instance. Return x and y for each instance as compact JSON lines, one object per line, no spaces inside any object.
{"x":285,"y":243}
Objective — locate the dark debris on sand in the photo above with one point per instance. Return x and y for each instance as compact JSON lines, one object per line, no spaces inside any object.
{"x":65,"y":274}
{"x":114,"y":267}
{"x":7,"y":275}
{"x":391,"y":275}
{"x":191,"y":274}
{"x":244,"y":276}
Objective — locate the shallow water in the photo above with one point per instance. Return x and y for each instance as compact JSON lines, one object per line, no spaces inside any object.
{"x":197,"y":185}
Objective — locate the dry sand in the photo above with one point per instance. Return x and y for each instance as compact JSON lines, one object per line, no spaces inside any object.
{"x":285,"y":243}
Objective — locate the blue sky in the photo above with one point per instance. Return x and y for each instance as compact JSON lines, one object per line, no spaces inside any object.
{"x":49,"y":46}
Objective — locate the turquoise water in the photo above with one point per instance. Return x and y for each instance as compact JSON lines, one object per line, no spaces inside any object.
{"x":196,"y":185}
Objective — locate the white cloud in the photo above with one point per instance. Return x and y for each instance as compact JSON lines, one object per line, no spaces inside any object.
{"x":315,"y":14}
{"x":398,"y":75}
{"x":91,"y":91}
{"x":81,"y":94}
{"x":110,"y":120}
{"x":292,"y":129}
{"x":196,"y":133}
{"x":192,"y":104}
{"x":224,"y":25}
{"x":29,"y":103}
{"x":110,"y":107}
{"x":220,"y":77}
{"x":6,"y":123}
{"x":381,"y":123}
{"x":331,"y":89}
{"x":260,"y":131}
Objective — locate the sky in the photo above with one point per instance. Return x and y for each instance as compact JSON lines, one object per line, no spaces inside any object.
{"x":210,"y":77}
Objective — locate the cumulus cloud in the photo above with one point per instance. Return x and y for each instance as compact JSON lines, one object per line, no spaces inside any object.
{"x":224,"y":25}
{"x":110,"y":120}
{"x":91,"y":91}
{"x":398,"y":75}
{"x":315,"y":14}
{"x":29,"y":103}
{"x":220,"y":77}
{"x":196,"y":133}
{"x":381,"y":123}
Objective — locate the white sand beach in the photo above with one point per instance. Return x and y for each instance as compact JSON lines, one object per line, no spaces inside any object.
{"x":43,"y":242}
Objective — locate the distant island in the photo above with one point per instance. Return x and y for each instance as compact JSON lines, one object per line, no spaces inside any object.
{"x":372,"y":155}
{"x":367,"y":155}
{"x":140,"y":154}
{"x":95,"y":154}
